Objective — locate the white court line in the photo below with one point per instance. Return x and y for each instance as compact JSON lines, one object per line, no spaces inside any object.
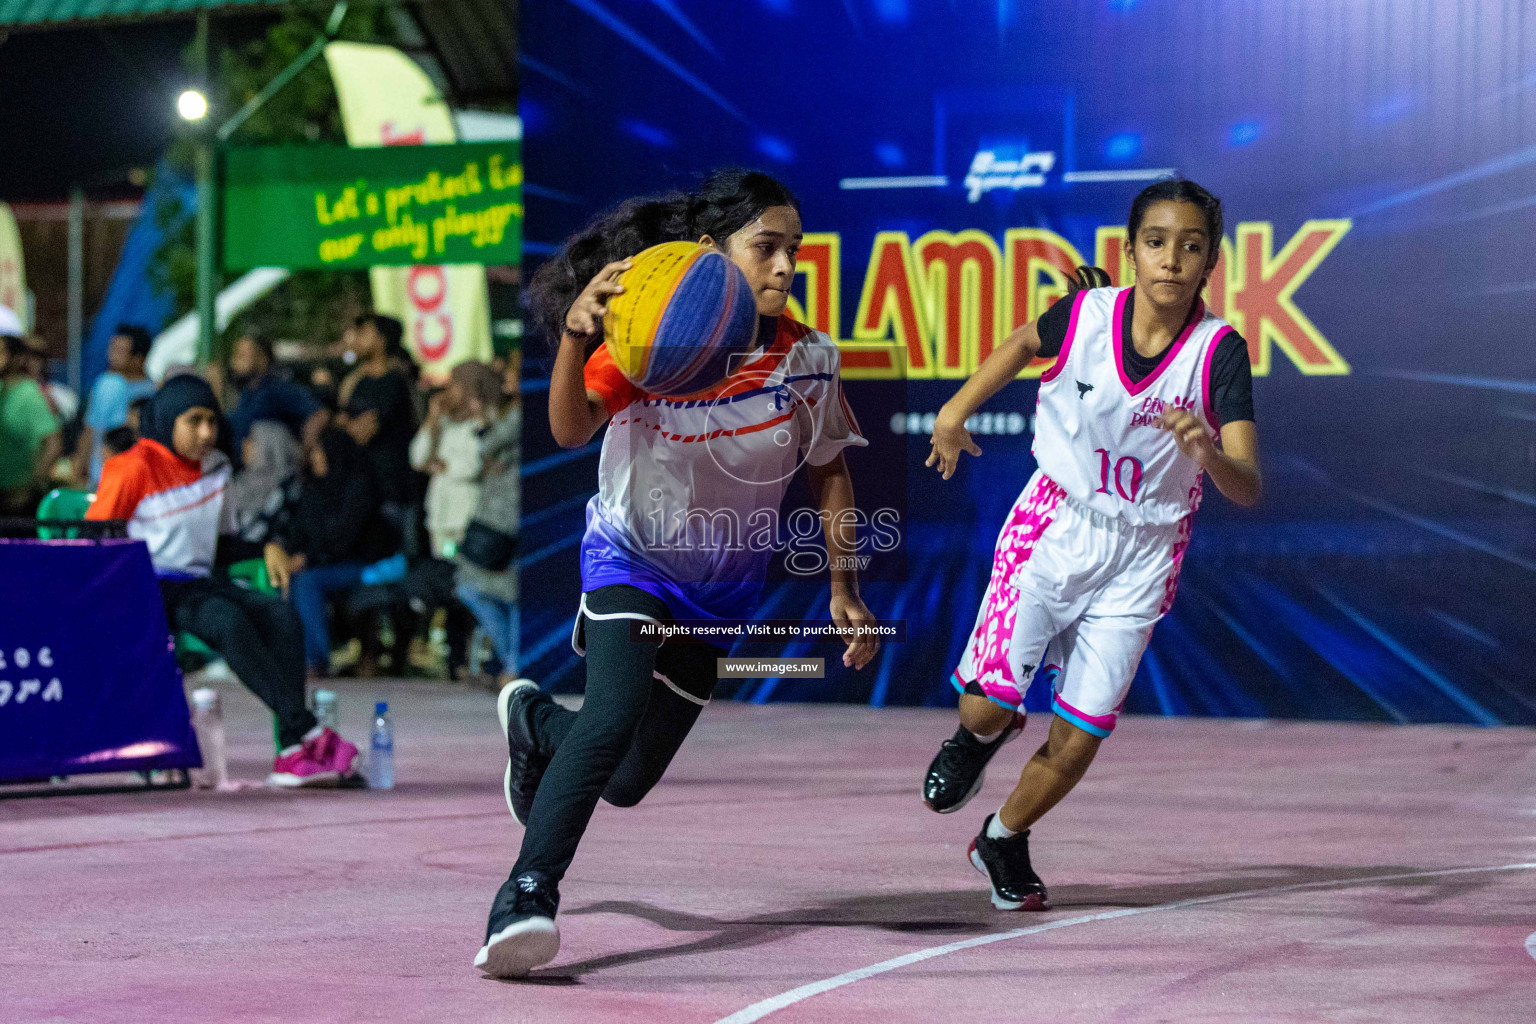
{"x":1530,"y":945}
{"x":759,"y":1010}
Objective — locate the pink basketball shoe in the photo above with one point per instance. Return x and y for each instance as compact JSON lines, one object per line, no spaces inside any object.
{"x":321,"y":761}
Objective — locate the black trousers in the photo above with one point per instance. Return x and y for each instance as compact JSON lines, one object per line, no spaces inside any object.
{"x":258,"y":634}
{"x":631,"y":723}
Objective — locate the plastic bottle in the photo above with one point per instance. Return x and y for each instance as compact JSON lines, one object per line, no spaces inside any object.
{"x":381,"y":755}
{"x":325,"y":710}
{"x":208,"y":722}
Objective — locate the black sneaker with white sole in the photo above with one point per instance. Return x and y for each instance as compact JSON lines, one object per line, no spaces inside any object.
{"x":1005,"y":862}
{"x":521,"y":933}
{"x":960,"y":767}
{"x":516,"y":705}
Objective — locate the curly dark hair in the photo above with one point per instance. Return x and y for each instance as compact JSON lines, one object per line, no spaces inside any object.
{"x":724,"y":202}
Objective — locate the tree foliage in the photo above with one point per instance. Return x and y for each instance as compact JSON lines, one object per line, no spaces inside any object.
{"x":312,"y":305}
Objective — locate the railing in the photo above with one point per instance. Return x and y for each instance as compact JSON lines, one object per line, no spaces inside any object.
{"x":62,"y":529}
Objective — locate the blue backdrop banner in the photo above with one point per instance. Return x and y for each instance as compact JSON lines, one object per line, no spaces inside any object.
{"x":88,"y":678}
{"x":956,"y":160}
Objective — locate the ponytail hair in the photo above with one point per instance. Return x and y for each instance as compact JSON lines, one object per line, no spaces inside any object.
{"x":724,"y":203}
{"x":615,"y":234}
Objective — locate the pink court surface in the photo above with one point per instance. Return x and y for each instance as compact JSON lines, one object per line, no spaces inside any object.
{"x":787,"y":871}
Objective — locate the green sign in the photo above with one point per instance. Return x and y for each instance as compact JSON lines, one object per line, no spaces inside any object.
{"x":338,"y":208}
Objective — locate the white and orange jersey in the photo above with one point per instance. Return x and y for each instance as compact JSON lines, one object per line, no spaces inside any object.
{"x":689,"y":488}
{"x":174,"y":505}
{"x":1098,"y":435}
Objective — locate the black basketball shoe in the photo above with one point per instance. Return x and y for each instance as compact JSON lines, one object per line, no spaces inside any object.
{"x":1005,"y":862}
{"x":960,"y":767}
{"x":526,"y":758}
{"x":521,"y":933}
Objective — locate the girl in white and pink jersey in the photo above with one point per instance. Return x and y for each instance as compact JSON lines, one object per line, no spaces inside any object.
{"x":1149,"y":393}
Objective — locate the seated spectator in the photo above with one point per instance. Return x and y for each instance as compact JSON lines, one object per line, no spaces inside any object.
{"x":334,"y":532}
{"x":321,"y":381}
{"x":264,"y":394}
{"x":117,"y":440}
{"x":63,"y":402}
{"x":107,"y":407}
{"x":487,"y":571}
{"x":29,"y":432}
{"x":377,"y":409}
{"x":266,"y":487}
{"x":62,"y":399}
{"x":170,"y":487}
{"x":135,"y":413}
{"x":447,"y":449}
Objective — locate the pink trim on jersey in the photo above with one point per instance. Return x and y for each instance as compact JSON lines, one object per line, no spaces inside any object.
{"x":1180,"y":545}
{"x":1205,"y":377}
{"x":1168,"y":356}
{"x":1105,"y":722}
{"x":1066,"y":344}
{"x":988,"y":646}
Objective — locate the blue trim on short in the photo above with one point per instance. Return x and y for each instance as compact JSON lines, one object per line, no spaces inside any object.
{"x":1087,"y":727}
{"x":954,"y":680}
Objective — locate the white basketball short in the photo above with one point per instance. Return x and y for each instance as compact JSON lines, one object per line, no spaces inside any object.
{"x":1077,"y":590}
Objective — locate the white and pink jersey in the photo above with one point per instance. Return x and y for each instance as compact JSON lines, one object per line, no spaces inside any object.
{"x":1097,"y":434}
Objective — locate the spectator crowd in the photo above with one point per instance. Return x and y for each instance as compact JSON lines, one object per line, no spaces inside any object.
{"x":376,"y":505}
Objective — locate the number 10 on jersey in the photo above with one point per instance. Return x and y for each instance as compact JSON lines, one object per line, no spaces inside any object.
{"x":1127,"y":473}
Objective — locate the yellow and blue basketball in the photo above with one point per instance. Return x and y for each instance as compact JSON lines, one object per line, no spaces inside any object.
{"x":686,"y":311}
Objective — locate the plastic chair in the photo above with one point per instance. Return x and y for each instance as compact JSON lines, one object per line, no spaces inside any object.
{"x":254,"y":572}
{"x":62,"y":503}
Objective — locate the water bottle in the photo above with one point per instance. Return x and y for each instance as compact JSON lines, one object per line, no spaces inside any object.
{"x":325,"y":710}
{"x":208,"y":723}
{"x":381,"y":755}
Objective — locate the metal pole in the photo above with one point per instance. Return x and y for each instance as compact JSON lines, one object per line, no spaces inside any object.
{"x":207,"y":184}
{"x":206,"y":200}
{"x":283,"y":77}
{"x":75,"y":313}
{"x":206,"y":268}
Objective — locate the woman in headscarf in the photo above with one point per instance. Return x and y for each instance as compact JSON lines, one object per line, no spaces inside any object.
{"x":335,"y":532}
{"x":171,"y":488}
{"x":262,"y":492}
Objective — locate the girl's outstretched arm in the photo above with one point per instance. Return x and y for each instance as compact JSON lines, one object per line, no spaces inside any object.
{"x":950,"y":437}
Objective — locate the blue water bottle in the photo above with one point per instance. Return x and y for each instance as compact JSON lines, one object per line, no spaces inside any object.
{"x":381,"y":755}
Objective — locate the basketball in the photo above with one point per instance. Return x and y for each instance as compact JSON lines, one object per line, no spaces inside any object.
{"x":686,"y":310}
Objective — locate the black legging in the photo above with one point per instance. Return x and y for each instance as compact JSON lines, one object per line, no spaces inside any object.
{"x":259,"y":635}
{"x":630,"y":725}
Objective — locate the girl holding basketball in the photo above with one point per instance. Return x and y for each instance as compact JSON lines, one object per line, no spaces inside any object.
{"x":682,"y":482}
{"x":1148,"y":395}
